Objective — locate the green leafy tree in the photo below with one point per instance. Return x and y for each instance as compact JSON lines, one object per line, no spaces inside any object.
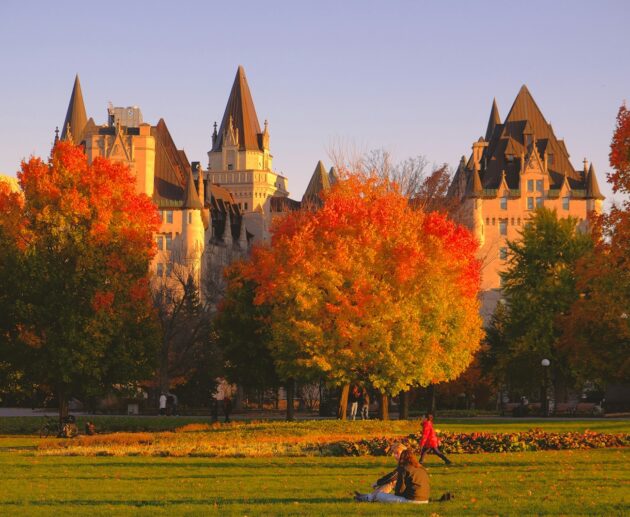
{"x":243,"y":335}
{"x":79,"y":243}
{"x":539,"y":287}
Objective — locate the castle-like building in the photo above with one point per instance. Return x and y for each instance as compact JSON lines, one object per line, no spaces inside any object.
{"x":218,"y":211}
{"x":516,"y":167}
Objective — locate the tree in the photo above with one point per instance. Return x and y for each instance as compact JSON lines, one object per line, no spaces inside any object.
{"x":367,"y":289}
{"x":185,"y":324}
{"x":81,"y":240}
{"x":597,"y":329}
{"x":539,"y":287}
{"x":243,"y":334}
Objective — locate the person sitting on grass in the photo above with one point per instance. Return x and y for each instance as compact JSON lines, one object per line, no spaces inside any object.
{"x":412,"y":483}
{"x":387,"y":483}
{"x":430,"y":440}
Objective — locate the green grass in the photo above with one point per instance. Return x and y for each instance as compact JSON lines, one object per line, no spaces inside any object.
{"x":593,"y":482}
{"x":31,"y":425}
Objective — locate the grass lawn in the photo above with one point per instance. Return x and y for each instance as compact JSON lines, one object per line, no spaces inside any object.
{"x":583,"y":482}
{"x":31,"y":425}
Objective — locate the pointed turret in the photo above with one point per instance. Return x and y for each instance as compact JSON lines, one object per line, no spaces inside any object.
{"x":191,"y":197}
{"x":333,"y":176}
{"x":76,"y":117}
{"x":319,"y":183}
{"x":474,"y":185}
{"x":592,"y":187}
{"x":494,"y":120}
{"x":240,"y":108}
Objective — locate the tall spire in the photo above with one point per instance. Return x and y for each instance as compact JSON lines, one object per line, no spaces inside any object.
{"x":320,"y":181}
{"x":240,"y":108}
{"x":592,"y":187}
{"x":76,"y":117}
{"x":494,"y":120}
{"x":191,"y":197}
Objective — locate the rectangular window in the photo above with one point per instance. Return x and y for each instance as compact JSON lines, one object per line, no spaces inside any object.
{"x":539,"y":202}
{"x":550,"y":159}
{"x":504,"y":203}
{"x":530,"y":185}
{"x":159,"y":240}
{"x":503,"y":253}
{"x":169,"y":268}
{"x":245,"y":206}
{"x":159,"y":271}
{"x":565,"y":203}
{"x":169,"y":241}
{"x":539,"y":185}
{"x":230,"y":167}
{"x":530,"y":203}
{"x":503,"y":226}
{"x":528,"y":140}
{"x":169,"y":216}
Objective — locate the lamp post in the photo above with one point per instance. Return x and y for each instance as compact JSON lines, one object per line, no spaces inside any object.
{"x":545,"y":400}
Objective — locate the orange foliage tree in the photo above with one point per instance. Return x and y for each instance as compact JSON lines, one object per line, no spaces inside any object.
{"x":597,"y":329}
{"x":79,"y":241}
{"x":367,"y":289}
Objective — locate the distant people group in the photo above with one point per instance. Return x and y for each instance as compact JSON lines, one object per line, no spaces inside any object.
{"x":409,"y":482}
{"x":359,"y":397}
{"x":168,"y":404}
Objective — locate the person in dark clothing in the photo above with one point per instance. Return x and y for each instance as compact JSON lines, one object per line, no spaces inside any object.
{"x":387,"y":483}
{"x":430,"y":440}
{"x":365,"y":404}
{"x":214,"y":409}
{"x":227,"y":408}
{"x":354,"y":397}
{"x":412,"y":483}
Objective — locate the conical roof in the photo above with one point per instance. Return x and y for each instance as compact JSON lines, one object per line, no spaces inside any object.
{"x":240,"y":107}
{"x":592,"y":187}
{"x":76,"y":117}
{"x":191,"y":197}
{"x":494,"y":120}
{"x":319,"y":182}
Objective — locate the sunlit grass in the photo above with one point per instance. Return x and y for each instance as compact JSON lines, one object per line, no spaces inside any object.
{"x":591,"y":482}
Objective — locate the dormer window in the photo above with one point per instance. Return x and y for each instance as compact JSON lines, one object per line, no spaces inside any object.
{"x":550,"y":159}
{"x":528,"y":140}
{"x":510,"y":157}
{"x":504,"y":203}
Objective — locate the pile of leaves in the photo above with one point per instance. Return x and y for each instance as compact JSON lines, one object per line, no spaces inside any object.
{"x":475,"y":443}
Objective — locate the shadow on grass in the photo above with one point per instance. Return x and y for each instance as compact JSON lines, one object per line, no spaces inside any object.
{"x":188,"y":501}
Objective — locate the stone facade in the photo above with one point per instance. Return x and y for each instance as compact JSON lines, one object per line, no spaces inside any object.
{"x":518,"y":166}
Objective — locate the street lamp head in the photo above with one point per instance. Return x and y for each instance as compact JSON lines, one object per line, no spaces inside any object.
{"x":545,"y":362}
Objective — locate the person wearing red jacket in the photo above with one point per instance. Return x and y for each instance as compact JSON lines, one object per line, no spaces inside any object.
{"x":430,"y":440}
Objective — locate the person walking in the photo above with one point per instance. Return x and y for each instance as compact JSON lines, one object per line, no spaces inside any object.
{"x":365,"y":404}
{"x":430,"y":440}
{"x":354,"y":401}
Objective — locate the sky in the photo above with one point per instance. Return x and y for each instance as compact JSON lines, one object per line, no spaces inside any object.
{"x":411,"y":77}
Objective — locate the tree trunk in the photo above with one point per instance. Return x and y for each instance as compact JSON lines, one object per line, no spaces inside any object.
{"x":383,"y":407}
{"x":63,"y":405}
{"x":431,"y":399}
{"x":342,"y":410}
{"x":164,"y":380}
{"x":403,"y":406}
{"x":290,"y":397}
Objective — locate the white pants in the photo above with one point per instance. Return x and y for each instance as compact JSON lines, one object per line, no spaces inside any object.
{"x":353,"y":410}
{"x":382,"y":497}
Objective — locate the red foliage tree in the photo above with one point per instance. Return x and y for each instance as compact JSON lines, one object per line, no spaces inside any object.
{"x":368,"y":289}
{"x":598,"y":327}
{"x":83,"y":242}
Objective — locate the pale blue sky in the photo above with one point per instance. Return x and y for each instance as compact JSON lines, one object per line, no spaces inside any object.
{"x":411,"y":77}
